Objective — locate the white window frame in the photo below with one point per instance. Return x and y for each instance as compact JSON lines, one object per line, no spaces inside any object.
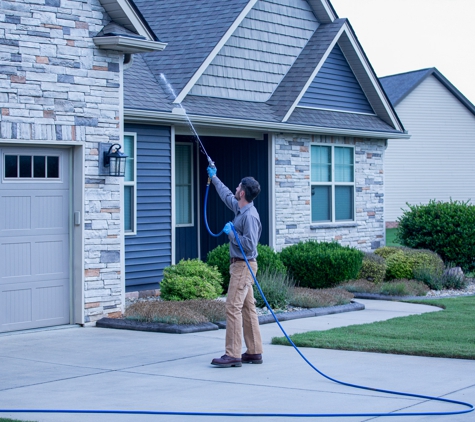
{"x":32,"y":179}
{"x":133,"y":184}
{"x":192,"y":201}
{"x":332,"y":183}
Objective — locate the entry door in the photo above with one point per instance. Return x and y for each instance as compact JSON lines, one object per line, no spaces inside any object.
{"x":34,"y":238}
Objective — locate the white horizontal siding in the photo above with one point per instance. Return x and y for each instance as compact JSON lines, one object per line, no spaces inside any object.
{"x":260,"y":52}
{"x":438,"y":161}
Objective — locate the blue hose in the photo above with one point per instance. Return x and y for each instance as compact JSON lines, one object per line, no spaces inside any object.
{"x":469,"y":406}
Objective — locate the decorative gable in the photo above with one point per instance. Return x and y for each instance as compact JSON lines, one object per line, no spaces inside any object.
{"x":335,"y":87}
{"x":260,"y":52}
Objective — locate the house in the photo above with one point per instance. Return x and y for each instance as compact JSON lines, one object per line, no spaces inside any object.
{"x":437,"y":162}
{"x":277,"y":89}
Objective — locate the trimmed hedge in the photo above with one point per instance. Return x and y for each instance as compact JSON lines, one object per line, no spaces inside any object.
{"x":407,"y":263}
{"x":321,"y":265}
{"x":447,"y":228}
{"x":373,"y":268}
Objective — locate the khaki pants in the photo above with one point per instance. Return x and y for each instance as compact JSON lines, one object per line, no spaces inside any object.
{"x":241,"y":311}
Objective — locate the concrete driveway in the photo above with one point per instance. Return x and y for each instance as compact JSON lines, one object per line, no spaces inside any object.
{"x":98,"y":368}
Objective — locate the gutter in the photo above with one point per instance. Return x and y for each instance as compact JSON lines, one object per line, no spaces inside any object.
{"x":148,"y":116}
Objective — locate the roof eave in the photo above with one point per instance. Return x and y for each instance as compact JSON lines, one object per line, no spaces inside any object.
{"x":127,"y":44}
{"x":141,"y":116}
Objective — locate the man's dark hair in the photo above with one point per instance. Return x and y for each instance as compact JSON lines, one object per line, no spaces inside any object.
{"x":251,"y":188}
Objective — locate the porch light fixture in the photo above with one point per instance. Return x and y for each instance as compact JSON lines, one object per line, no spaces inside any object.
{"x":114,"y":160}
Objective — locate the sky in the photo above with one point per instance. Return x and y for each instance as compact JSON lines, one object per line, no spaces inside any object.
{"x":403,"y":35}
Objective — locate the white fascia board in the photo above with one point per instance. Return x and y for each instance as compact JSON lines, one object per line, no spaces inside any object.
{"x":314,"y":73}
{"x":374,"y":80}
{"x":167,"y":118}
{"x":135,"y":20}
{"x":128,"y":44}
{"x":184,"y":92}
{"x":322,"y":11}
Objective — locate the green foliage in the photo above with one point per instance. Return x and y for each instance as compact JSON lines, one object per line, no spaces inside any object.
{"x":190,"y":279}
{"x":400,"y":287}
{"x":386,"y":251}
{"x":439,"y":279}
{"x":321,"y":265}
{"x":407,"y":263}
{"x":277,"y":288}
{"x":447,"y":228}
{"x":267,"y":258}
{"x":219,"y":258}
{"x":373,"y":268}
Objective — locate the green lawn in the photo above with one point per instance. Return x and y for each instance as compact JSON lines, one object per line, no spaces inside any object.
{"x":449,"y":333}
{"x":391,"y":237}
{"x":11,"y":420}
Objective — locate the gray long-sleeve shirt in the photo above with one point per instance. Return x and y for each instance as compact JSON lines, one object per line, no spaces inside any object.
{"x":246,"y":222}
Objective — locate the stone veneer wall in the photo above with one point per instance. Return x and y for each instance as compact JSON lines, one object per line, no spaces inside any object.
{"x":292,"y":193}
{"x":56,"y":86}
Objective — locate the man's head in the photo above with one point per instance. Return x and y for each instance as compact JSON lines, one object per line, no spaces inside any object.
{"x":250,"y":187}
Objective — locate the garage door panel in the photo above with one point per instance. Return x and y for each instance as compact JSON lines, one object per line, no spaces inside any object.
{"x":34,"y":244}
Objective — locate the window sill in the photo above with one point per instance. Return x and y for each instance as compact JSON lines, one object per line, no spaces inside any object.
{"x":333,"y":225}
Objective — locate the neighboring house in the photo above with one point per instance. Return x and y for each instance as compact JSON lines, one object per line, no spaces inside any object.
{"x":438,"y":161}
{"x":279,"y":89}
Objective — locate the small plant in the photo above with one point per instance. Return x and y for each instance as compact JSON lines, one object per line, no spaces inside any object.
{"x":404,"y":262}
{"x":453,"y":278}
{"x":276,"y":287}
{"x":387,"y":251}
{"x":190,"y":279}
{"x":373,"y":268}
{"x":321,"y":265}
{"x":318,"y":298}
{"x":404,"y":288}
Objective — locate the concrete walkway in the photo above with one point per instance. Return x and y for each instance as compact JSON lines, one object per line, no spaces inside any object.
{"x":99,"y":368}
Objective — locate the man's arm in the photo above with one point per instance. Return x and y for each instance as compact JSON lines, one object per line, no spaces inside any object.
{"x":225,"y":194}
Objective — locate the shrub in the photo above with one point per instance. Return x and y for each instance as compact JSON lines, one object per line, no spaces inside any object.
{"x":318,"y":298}
{"x":321,"y":265}
{"x":373,"y":268}
{"x":392,"y":288}
{"x":438,"y":280}
{"x":276,"y":287}
{"x":447,"y":228}
{"x":387,"y":251}
{"x":266,"y":258}
{"x":407,"y":263}
{"x":190,"y":279}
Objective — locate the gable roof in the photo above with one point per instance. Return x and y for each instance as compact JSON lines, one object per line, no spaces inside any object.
{"x":399,"y":86}
{"x":197,"y":32}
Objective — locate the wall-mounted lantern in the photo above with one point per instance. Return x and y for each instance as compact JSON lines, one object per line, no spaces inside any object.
{"x":113,"y":161}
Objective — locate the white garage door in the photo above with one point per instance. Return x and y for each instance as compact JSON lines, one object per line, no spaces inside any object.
{"x":34,"y":238}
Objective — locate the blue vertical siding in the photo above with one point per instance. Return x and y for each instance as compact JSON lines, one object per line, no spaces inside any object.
{"x":149,"y":251}
{"x":336,"y":88}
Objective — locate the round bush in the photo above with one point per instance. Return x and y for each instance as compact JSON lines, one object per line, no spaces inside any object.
{"x":190,"y":279}
{"x":386,"y":251}
{"x":321,"y":265}
{"x":447,"y":228}
{"x":267,"y":258}
{"x":373,"y":268}
{"x":408,"y":263}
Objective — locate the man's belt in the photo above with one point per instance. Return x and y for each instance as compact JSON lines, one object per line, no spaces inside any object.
{"x":233,"y":260}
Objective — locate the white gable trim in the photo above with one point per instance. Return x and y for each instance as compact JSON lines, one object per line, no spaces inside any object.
{"x":184,"y":92}
{"x":323,"y":11}
{"x":312,"y":76}
{"x":124,"y":14}
{"x":362,"y":69}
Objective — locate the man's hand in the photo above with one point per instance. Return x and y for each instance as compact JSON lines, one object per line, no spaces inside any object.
{"x":228,"y":227}
{"x":211,"y":172}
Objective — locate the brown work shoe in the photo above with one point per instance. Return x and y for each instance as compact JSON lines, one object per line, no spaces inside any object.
{"x":226,"y":361}
{"x":249,"y":358}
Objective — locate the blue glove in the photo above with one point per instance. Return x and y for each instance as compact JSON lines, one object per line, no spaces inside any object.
{"x":227,"y":228}
{"x":211,"y":171}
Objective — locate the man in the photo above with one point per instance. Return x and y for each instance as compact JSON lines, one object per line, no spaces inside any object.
{"x":241,"y":312}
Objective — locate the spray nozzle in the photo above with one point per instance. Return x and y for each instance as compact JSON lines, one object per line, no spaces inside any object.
{"x":211,"y":163}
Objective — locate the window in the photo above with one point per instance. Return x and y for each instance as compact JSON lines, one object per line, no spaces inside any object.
{"x":130,"y":190}
{"x":332,"y":183}
{"x":184,"y":184}
{"x":36,"y":167}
